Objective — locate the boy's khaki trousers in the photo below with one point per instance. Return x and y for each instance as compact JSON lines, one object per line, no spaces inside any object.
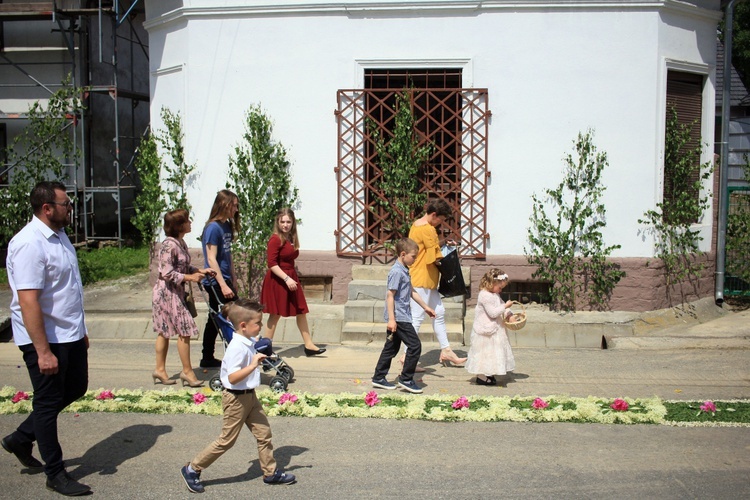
{"x":240,"y":409}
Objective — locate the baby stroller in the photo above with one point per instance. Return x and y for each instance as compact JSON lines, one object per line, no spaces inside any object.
{"x":284,"y":372}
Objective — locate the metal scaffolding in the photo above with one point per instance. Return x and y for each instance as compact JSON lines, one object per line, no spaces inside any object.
{"x":108,"y":131}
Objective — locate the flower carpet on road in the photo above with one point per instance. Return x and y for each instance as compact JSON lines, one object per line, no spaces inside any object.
{"x":619,"y":410}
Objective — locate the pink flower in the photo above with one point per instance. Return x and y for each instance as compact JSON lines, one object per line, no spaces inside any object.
{"x":20,"y":396}
{"x":198,"y":398}
{"x":539,"y":404}
{"x":461,"y":402}
{"x":105,"y":395}
{"x":708,"y":406}
{"x":287,"y":398}
{"x":371,"y":398}
{"x":619,"y":405}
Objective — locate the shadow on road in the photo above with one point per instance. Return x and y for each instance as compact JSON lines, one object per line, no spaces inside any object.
{"x":282,"y":455}
{"x":128,"y":443}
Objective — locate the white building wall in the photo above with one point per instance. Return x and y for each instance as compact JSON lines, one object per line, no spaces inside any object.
{"x":551,"y":73}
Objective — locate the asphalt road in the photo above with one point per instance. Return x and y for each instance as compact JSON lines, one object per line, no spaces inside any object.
{"x":139,"y":456}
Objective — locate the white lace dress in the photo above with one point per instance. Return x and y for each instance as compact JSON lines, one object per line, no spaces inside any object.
{"x":490,"y":352}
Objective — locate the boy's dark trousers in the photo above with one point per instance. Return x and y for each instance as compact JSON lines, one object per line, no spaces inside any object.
{"x":404,"y":333}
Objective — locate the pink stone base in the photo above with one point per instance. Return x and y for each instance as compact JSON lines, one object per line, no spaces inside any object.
{"x":642,"y":289}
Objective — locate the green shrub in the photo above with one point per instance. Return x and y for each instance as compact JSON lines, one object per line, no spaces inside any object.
{"x":260,"y":175}
{"x":684,"y":204}
{"x":566,"y":243}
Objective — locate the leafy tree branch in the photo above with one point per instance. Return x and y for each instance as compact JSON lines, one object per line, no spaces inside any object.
{"x":45,"y":150}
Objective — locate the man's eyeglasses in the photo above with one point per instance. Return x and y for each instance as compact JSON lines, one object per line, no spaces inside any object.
{"x":66,"y":204}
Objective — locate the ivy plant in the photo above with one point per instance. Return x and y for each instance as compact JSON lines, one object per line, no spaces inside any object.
{"x":671,"y":223}
{"x":565,"y":240}
{"x":260,"y":176}
{"x":738,"y":232}
{"x":400,"y":159}
{"x":42,"y":151}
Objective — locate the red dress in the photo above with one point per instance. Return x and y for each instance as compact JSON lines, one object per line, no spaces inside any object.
{"x":275,"y":295}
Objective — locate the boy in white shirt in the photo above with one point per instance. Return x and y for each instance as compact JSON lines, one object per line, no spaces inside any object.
{"x":240,"y":375}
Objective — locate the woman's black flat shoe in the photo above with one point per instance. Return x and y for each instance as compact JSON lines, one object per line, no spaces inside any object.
{"x":489,"y":381}
{"x":311,"y":352}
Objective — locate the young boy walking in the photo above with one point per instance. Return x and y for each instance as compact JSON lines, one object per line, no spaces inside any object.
{"x":397,"y":314}
{"x":240,"y":375}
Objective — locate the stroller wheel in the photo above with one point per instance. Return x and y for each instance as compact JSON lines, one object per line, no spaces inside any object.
{"x":215,"y":384}
{"x":278,"y":383}
{"x":287,"y":372}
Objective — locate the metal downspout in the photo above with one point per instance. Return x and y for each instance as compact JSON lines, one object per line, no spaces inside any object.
{"x":721,"y":232}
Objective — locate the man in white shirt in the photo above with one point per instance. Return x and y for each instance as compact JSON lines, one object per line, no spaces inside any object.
{"x":48,"y":327}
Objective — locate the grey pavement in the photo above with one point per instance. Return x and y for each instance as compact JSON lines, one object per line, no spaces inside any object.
{"x":669,"y":374}
{"x":139,"y":455}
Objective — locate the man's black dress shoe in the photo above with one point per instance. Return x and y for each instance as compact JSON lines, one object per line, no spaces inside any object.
{"x":312,"y":352}
{"x":22,"y":453}
{"x":66,"y":485}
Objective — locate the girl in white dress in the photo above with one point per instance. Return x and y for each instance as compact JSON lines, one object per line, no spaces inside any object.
{"x":490,"y":353}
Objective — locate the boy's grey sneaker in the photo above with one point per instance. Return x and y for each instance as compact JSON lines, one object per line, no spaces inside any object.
{"x":280,"y":477}
{"x":382,"y":383}
{"x":409,"y":385}
{"x":192,"y":480}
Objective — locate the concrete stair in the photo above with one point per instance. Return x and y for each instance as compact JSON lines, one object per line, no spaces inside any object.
{"x":363,"y":311}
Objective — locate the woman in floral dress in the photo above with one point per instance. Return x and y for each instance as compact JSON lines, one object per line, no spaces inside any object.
{"x":170,"y":314}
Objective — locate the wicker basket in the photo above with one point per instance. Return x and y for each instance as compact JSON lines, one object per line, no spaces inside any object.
{"x":517,"y":320}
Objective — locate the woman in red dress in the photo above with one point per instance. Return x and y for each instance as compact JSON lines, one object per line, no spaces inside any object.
{"x":282,"y":293}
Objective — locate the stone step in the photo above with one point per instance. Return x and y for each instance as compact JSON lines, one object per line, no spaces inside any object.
{"x":380,"y":273}
{"x":366,"y":290}
{"x":370,"y":272}
{"x":366,"y":332}
{"x":372,"y":311}
{"x":376,"y":289}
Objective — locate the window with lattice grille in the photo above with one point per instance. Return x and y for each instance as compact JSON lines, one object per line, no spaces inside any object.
{"x":451,"y":118}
